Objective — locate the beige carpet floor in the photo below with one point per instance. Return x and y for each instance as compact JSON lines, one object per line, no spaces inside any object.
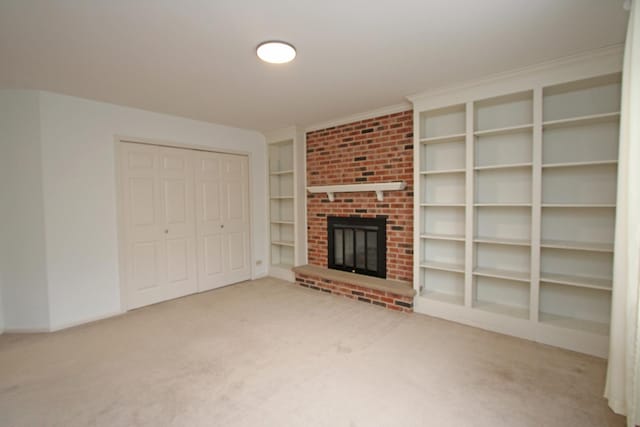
{"x":268,"y":353}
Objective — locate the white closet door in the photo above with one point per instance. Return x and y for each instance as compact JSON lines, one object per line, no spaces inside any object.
{"x":159,"y":223}
{"x":235,"y":181}
{"x":222,"y":212}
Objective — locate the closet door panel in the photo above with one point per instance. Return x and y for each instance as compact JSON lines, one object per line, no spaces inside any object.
{"x":178,"y":214}
{"x":159,"y":223}
{"x":236,"y":217}
{"x":209,"y":217}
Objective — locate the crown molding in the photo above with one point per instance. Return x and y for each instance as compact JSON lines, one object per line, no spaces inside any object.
{"x":614,"y":51}
{"x":279,"y":135}
{"x":383,"y":111}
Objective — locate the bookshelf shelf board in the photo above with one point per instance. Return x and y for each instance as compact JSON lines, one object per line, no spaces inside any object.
{"x":432,"y":236}
{"x":581,"y":246}
{"x":446,"y":138}
{"x":504,"y":131}
{"x":519,"y":276}
{"x":502,"y":205}
{"x":578,"y":205}
{"x":579,"y":164}
{"x":503,"y":166}
{"x":578,"y":281}
{"x":582,"y":120}
{"x":283,"y":172}
{"x":455,"y":268}
{"x":502,"y":241}
{"x":282,"y":243}
{"x":444,"y":171}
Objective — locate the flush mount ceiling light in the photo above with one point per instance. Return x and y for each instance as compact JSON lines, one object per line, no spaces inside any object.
{"x":276,"y":52}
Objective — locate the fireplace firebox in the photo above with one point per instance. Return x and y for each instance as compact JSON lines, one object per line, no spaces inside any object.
{"x":358,"y":245}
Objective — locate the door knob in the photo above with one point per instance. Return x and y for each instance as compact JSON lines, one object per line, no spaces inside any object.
{"x":222,"y":226}
{"x":166,"y":231}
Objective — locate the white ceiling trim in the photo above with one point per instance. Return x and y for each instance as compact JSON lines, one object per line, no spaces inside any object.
{"x":609,"y":51}
{"x":372,"y":114}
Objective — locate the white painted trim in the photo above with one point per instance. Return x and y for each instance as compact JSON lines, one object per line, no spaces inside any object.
{"x":173,"y":144}
{"x":85,"y":321}
{"x":583,"y":342}
{"x":377,"y":187}
{"x":26,"y":330}
{"x":283,"y":274}
{"x":615,"y":52}
{"x":371,"y":114}
{"x":280,"y":135}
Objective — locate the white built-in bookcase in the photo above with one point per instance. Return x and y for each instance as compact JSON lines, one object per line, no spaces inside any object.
{"x":287,"y":239}
{"x":515,"y":206}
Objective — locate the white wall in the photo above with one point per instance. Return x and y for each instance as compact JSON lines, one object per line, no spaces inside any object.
{"x":22,"y":236}
{"x":67,"y":195}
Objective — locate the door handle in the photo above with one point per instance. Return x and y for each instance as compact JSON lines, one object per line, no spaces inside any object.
{"x":222,"y":226}
{"x":166,"y":231}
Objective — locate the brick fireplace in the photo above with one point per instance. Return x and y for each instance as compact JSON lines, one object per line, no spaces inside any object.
{"x":368,"y":151}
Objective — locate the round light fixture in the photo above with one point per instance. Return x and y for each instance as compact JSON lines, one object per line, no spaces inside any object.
{"x":276,"y":52}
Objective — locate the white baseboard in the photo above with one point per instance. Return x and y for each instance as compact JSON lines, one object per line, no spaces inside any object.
{"x":25,"y":330}
{"x":85,"y":321}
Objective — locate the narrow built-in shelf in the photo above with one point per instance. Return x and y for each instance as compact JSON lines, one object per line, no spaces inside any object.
{"x":282,"y":243}
{"x":502,"y":274}
{"x":578,"y":205}
{"x":432,"y":236}
{"x":443,"y":171}
{"x":578,"y":281}
{"x":275,"y":221}
{"x":442,"y":205}
{"x":504,"y":131}
{"x":502,"y":241}
{"x":503,"y":309}
{"x":573,"y":323}
{"x":445,"y":138}
{"x":579,"y":164}
{"x":281,"y":197}
{"x":283,"y":172}
{"x":581,"y":246}
{"x":442,"y":297}
{"x":503,"y":166}
{"x":582,"y":120}
{"x":455,"y":268}
{"x":377,"y":187}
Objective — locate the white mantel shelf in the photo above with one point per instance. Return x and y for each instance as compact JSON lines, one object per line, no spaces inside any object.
{"x":378,"y":187}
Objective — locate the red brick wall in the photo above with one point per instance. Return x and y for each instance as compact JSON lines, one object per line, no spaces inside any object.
{"x":373,"y":150}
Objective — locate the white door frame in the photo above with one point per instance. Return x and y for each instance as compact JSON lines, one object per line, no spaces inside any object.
{"x":122,"y":259}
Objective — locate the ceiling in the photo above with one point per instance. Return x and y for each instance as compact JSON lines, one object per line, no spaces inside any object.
{"x":196,"y":58}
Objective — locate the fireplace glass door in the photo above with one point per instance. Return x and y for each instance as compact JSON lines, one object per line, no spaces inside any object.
{"x":357,"y":245}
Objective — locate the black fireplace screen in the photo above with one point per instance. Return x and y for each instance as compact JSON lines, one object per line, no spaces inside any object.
{"x":358,"y":245}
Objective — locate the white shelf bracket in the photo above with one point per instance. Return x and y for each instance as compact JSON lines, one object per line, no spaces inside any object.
{"x":331,"y":196}
{"x":379,"y":195}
